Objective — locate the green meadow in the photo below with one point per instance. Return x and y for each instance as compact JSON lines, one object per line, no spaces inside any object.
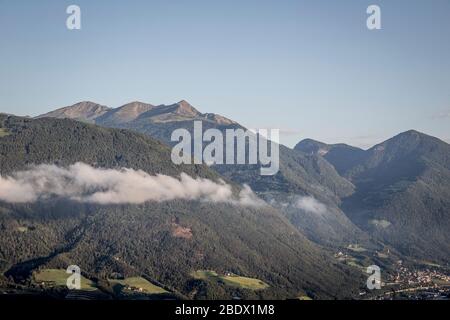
{"x":3,"y":132}
{"x":231,"y":280}
{"x":58,"y":278}
{"x":138,"y":284}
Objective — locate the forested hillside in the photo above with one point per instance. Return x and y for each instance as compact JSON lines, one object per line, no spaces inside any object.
{"x":162,"y":241}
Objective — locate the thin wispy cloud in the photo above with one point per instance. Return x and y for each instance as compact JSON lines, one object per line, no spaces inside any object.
{"x":310,"y":204}
{"x":305,"y":203}
{"x":84,"y":183}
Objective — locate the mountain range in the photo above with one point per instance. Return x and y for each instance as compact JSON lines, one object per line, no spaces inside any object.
{"x":300,"y":175}
{"x":396,"y":191}
{"x":164,"y":242}
{"x":402,"y":193}
{"x":324,"y":198}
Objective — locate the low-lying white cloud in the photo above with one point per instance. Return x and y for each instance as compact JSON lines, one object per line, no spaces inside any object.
{"x":84,"y":183}
{"x":310,"y":204}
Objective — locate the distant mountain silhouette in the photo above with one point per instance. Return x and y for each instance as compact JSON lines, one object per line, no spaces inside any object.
{"x":402,"y":191}
{"x":124,"y":114}
{"x":84,"y":111}
{"x":342,"y":156}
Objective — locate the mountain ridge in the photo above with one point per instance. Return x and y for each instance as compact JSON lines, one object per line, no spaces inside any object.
{"x":402,"y":192}
{"x":300,"y":173}
{"x":135,"y":240}
{"x":85,"y":111}
{"x":135,"y":110}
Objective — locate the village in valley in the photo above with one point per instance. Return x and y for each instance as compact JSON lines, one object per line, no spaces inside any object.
{"x":399,"y":279}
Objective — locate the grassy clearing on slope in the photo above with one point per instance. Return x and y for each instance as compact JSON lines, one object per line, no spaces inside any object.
{"x":356,"y":248}
{"x":382,"y":255}
{"x":246,"y":283}
{"x":3,"y":132}
{"x":58,"y":278}
{"x":22,"y":229}
{"x":138,"y":284}
{"x":204,"y":274}
{"x":231,"y":280}
{"x":354,"y":263}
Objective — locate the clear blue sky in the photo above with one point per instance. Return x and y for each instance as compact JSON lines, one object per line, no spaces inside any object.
{"x":310,"y":68}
